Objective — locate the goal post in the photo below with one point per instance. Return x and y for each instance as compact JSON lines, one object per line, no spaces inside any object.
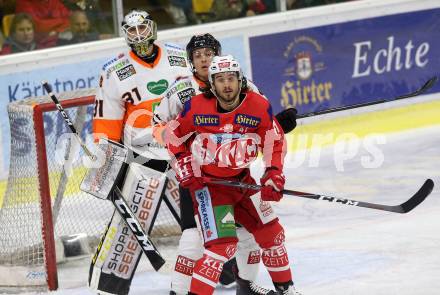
{"x":45,"y":218}
{"x":44,"y":183}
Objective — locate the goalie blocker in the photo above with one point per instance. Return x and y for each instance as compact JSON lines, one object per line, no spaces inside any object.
{"x":118,"y":253}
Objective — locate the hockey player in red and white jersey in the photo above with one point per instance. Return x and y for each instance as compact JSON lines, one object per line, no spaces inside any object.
{"x":131,"y":85}
{"x":239,"y":120}
{"x":200,"y":51}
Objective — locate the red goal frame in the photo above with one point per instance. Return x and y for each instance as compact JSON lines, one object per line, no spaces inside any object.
{"x":47,"y":227}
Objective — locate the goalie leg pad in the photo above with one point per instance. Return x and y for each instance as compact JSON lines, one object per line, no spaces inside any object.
{"x":189,"y":251}
{"x":118,"y":254}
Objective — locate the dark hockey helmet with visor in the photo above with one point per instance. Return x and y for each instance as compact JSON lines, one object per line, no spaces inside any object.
{"x":140,"y":31}
{"x":202,"y":41}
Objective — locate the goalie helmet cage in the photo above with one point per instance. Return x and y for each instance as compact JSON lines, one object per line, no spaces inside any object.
{"x":43,"y":210}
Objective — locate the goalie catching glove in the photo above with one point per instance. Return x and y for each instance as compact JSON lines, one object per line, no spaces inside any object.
{"x":272,"y":183}
{"x":185,"y":175}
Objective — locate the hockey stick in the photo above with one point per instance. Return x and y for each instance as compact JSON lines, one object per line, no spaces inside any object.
{"x":425,"y":87}
{"x":68,"y":159}
{"x":405,"y":207}
{"x":135,"y":226}
{"x":116,"y":197}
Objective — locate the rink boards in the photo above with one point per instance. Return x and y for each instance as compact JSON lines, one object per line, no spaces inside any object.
{"x":325,"y":130}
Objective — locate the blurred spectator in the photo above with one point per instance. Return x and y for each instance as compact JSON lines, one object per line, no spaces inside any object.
{"x":7,"y":7}
{"x":97,"y":18}
{"x":293,"y":4}
{"x":270,"y":5}
{"x":50,"y":16}
{"x":261,"y":6}
{"x":181,"y":11}
{"x":22,"y":36}
{"x":228,"y":9}
{"x":79,"y":30}
{"x":202,"y":10}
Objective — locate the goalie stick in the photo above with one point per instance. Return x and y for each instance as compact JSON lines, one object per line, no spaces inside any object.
{"x":405,"y":207}
{"x":149,"y":249}
{"x":425,"y":87}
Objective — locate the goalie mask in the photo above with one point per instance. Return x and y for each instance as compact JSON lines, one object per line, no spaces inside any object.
{"x":139,"y":31}
{"x":202,"y":41}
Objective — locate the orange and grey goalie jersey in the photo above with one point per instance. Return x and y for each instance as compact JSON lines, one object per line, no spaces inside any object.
{"x":129,"y":90}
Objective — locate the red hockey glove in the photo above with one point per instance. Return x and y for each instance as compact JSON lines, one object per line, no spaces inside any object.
{"x":272,"y":184}
{"x":182,"y":165}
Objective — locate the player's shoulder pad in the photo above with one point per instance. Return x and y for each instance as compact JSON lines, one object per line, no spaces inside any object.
{"x":194,"y":102}
{"x":176,"y":54}
{"x":181,"y":80}
{"x":251,"y":85}
{"x":258,"y":97}
{"x":186,"y":108}
{"x":182,"y":88}
{"x":116,"y":63}
{"x":112,"y":61}
{"x":260,"y":102}
{"x":269,"y":111}
{"x":171,"y":46}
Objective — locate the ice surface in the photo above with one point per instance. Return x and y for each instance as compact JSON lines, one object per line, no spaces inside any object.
{"x":337,"y":249}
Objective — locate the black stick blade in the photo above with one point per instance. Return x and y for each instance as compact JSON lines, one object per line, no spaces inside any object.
{"x":418,"y":197}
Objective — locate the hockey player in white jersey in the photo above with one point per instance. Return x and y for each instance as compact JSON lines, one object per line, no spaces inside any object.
{"x":131,"y":85}
{"x":200,"y":51}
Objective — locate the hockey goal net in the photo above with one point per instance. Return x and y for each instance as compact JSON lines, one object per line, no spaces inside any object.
{"x":44,"y":217}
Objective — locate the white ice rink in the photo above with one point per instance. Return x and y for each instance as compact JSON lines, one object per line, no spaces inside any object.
{"x":340,"y":250}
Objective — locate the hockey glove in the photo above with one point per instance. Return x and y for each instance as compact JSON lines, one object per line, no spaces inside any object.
{"x":287,"y":119}
{"x":182,"y":165}
{"x":272,"y":185}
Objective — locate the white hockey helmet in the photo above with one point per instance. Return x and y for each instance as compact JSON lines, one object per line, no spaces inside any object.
{"x":139,"y":29}
{"x":222,"y":64}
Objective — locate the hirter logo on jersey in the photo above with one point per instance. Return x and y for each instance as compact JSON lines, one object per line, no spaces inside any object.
{"x":206,"y":120}
{"x":247,"y":120}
